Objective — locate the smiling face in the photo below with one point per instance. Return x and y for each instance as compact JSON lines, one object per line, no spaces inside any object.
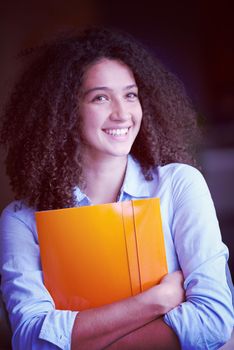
{"x":110,"y":109}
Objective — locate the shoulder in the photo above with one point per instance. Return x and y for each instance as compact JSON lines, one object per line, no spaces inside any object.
{"x":180,"y":181}
{"x":17,"y":212}
{"x":177,"y":174}
{"x":176,"y":171}
{"x":174,"y":179}
{"x":180,"y":175}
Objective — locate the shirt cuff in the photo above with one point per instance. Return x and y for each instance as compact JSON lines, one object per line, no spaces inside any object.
{"x":57,"y":328}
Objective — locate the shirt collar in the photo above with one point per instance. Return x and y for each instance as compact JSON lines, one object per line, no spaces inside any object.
{"x":81,"y":198}
{"x":135,"y":183}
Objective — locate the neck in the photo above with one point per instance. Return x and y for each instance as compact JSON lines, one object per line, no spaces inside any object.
{"x":104,"y":178}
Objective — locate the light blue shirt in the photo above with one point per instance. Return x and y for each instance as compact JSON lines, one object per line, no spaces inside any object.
{"x":193,"y":244}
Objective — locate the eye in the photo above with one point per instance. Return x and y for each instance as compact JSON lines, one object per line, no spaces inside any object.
{"x":100,"y":98}
{"x":132,"y":96}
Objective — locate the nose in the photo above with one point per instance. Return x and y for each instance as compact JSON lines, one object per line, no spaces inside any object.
{"x":119,"y":111}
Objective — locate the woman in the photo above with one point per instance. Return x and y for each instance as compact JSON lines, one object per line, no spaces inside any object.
{"x":96,"y":119}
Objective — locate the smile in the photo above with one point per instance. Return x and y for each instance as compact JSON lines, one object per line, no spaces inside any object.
{"x":116,"y":132}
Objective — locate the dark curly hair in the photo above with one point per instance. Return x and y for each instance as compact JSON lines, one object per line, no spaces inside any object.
{"x":41,"y":125}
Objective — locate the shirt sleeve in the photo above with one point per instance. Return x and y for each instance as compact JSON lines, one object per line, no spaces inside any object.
{"x":205,"y":319}
{"x":35,"y":322}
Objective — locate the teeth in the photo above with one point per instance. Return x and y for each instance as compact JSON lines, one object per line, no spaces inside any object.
{"x":117,"y":132}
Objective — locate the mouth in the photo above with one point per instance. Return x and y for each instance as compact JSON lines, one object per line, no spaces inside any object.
{"x":117,"y":131}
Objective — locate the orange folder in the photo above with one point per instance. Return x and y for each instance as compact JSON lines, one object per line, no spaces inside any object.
{"x":99,"y":254}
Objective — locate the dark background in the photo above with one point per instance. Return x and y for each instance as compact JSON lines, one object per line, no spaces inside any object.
{"x":194,"y":39}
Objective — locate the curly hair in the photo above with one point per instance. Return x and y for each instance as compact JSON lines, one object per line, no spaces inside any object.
{"x":41,"y":125}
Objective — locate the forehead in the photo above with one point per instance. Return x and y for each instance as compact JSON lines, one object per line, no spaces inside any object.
{"x":108,"y":71}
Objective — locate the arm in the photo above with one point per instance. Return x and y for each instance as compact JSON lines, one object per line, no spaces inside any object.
{"x":99,"y":327}
{"x":35,"y":323}
{"x":205,"y":320}
{"x":154,"y":335}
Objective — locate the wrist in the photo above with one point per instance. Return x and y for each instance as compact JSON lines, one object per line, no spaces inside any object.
{"x":153,"y":301}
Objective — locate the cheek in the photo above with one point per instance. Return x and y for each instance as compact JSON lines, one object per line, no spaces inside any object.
{"x":139,"y":114}
{"x":91,"y":127}
{"x":92,"y":116}
{"x":138,"y":110}
{"x":86,"y":117}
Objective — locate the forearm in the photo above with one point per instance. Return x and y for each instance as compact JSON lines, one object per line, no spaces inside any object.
{"x":156,"y":335}
{"x":99,"y":327}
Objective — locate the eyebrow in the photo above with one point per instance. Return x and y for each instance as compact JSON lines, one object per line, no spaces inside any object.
{"x":105,"y":88}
